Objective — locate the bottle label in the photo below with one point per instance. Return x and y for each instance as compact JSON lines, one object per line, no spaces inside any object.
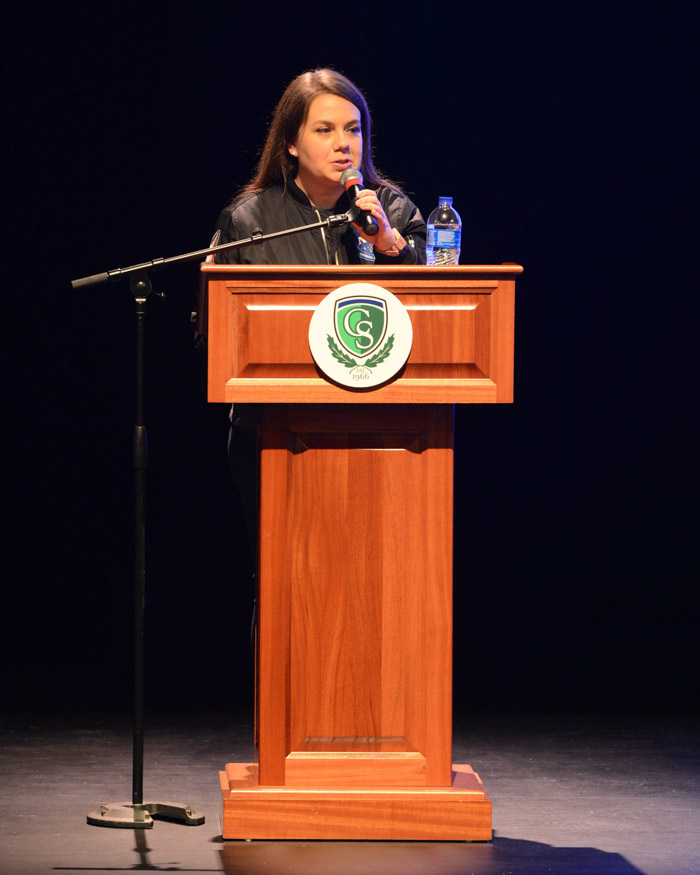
{"x":444,"y":238}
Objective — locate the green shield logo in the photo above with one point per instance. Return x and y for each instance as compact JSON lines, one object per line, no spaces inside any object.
{"x":360,"y":324}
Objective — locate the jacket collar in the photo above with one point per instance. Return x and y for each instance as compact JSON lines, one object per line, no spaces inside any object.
{"x":342,"y":205}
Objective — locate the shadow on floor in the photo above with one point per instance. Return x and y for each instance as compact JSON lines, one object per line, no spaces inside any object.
{"x":503,"y":855}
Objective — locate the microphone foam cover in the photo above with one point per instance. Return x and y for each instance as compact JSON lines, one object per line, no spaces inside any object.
{"x":352,"y":174}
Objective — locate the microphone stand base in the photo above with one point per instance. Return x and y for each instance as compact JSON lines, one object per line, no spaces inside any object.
{"x":125,"y":815}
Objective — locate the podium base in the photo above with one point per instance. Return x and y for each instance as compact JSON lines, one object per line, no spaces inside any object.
{"x":461,"y":812}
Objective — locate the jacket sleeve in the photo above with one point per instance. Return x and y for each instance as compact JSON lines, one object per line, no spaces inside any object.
{"x":405,"y":216}
{"x":225,"y":224}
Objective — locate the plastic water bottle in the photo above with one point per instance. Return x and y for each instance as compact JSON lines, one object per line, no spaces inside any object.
{"x":444,"y":234}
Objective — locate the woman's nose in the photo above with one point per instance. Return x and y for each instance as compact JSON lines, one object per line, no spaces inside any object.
{"x":342,"y":144}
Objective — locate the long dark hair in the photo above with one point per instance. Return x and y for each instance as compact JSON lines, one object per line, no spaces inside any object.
{"x":276,"y":165}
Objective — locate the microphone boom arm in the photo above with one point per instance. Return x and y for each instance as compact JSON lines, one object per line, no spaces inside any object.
{"x":255,"y":239}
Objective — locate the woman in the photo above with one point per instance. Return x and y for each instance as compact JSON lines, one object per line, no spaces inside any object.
{"x":321,"y":127}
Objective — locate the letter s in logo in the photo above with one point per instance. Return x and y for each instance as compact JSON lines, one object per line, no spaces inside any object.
{"x":362,"y":329}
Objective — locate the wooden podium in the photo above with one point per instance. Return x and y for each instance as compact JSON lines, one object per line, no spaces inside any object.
{"x":354,"y":629}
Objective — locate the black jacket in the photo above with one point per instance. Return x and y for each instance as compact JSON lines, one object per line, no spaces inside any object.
{"x":277,"y":209}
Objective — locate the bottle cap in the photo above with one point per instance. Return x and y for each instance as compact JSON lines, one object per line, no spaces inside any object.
{"x":445,"y":200}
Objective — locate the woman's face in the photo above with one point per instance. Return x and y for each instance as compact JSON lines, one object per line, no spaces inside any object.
{"x":328,"y":143}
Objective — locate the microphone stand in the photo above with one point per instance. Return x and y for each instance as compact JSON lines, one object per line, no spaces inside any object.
{"x":139,"y":814}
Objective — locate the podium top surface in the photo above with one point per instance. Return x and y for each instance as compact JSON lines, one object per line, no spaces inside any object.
{"x":409,"y":270}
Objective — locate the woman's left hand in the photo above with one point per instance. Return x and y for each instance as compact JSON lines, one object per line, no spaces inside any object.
{"x":384,"y":238}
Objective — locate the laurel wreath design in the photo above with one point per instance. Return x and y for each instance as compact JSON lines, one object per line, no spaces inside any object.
{"x":349,"y":362}
{"x":339,"y":355}
{"x":381,"y":354}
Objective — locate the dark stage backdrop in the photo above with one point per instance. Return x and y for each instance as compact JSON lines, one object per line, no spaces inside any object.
{"x":563,"y":132}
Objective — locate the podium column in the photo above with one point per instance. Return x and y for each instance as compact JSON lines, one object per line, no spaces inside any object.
{"x":354,"y":636}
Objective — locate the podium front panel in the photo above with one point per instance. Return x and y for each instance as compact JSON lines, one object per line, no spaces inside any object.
{"x":354,"y":635}
{"x":462,"y":321}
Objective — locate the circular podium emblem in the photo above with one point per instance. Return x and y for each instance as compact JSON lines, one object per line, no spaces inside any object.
{"x":360,"y":335}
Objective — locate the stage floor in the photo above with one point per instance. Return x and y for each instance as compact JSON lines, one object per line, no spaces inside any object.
{"x":571,"y":794}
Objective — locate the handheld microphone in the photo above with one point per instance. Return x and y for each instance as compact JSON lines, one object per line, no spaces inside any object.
{"x":351,"y":180}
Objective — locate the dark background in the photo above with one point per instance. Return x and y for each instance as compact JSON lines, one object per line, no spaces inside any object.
{"x":564,"y":132}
